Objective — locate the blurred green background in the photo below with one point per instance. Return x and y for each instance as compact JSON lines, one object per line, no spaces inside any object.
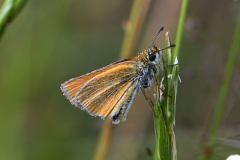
{"x":52,"y":41}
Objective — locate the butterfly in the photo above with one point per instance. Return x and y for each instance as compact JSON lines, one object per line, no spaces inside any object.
{"x":109,"y":92}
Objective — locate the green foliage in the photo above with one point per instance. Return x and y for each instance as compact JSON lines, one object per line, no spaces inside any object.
{"x":9,"y":11}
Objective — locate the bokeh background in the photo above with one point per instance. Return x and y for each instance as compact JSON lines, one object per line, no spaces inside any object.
{"x":52,"y":41}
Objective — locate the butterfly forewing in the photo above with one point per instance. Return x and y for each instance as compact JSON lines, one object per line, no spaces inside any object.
{"x":105,"y":91}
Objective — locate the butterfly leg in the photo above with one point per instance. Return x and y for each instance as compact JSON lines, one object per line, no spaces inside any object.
{"x":149,"y":101}
{"x":162,"y":90}
{"x":164,"y":93}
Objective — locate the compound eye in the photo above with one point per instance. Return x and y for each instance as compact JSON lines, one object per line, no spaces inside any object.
{"x":152,"y":57}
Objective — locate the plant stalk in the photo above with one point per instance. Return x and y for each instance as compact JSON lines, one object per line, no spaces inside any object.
{"x":166,"y":92}
{"x":131,"y":37}
{"x":181,"y":26}
{"x":218,"y":113}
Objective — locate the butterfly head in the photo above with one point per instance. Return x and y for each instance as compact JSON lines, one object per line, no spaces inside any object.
{"x":153,"y":55}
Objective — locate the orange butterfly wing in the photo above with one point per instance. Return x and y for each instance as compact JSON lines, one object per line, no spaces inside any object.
{"x":105,"y":92}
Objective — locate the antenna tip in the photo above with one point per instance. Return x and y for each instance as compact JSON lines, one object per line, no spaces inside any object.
{"x":173,"y":45}
{"x":161,"y":29}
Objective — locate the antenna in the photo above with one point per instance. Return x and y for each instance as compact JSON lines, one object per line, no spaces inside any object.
{"x":171,"y":46}
{"x":158,"y":33}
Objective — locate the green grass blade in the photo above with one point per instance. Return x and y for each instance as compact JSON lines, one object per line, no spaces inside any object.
{"x":8,"y":11}
{"x":181,"y":25}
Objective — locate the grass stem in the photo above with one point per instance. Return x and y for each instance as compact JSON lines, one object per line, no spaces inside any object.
{"x":134,"y":26}
{"x":181,"y":26}
{"x":224,"y":90}
{"x":165,"y":107}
